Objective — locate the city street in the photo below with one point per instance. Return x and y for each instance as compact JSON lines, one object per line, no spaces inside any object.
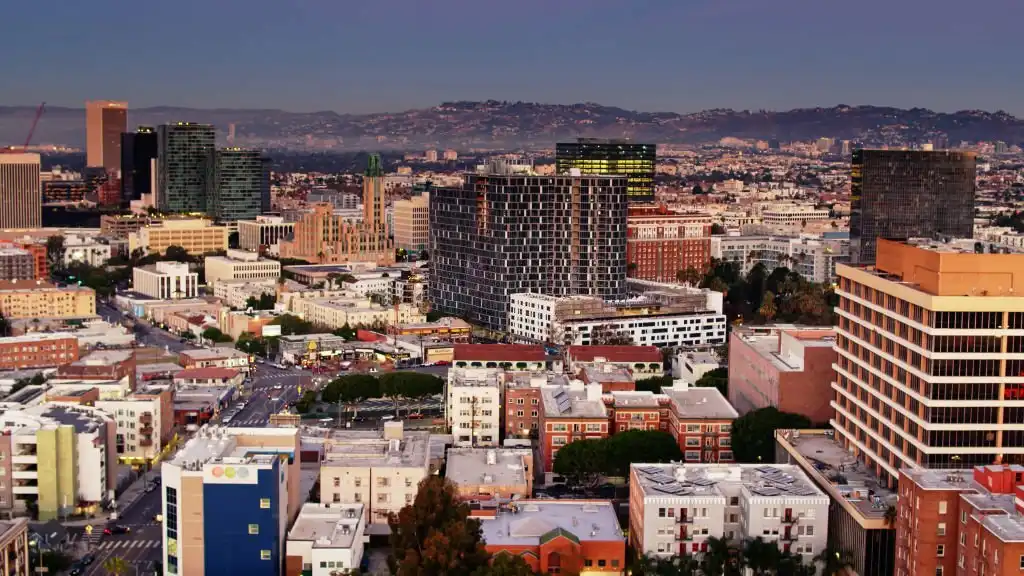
{"x":264,"y":398}
{"x":145,"y":333}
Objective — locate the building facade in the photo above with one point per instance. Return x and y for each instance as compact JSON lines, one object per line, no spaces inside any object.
{"x":412,"y":223}
{"x":38,"y":299}
{"x":813,"y":258}
{"x":928,"y":372}
{"x":700,"y":419}
{"x":196,"y":236}
{"x":263,"y":232}
{"x":903,"y":194}
{"x":166,"y":281}
{"x":662,"y":243}
{"x":16,"y":264}
{"x":139,"y":151}
{"x":606,"y":157}
{"x":567,"y":414}
{"x":483,"y":248}
{"x":185,"y":167}
{"x":105,"y":121}
{"x":38,"y":350}
{"x":473,"y":406}
{"x":241,"y":265}
{"x":238,"y":191}
{"x":20,"y":191}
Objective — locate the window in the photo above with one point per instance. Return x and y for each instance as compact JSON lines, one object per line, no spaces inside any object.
{"x":588,"y":562}
{"x":600,"y":563}
{"x":254,"y":528}
{"x":264,"y":554}
{"x":265,"y":503}
{"x":383,"y":482}
{"x":358,"y":482}
{"x":337,"y":498}
{"x":938,"y":571}
{"x":942,"y":529}
{"x":661,"y":512}
{"x":942,"y":507}
{"x":963,"y":517}
{"x":810,"y":529}
{"x":337,"y":482}
{"x":1022,"y":561}
{"x":940,"y":550}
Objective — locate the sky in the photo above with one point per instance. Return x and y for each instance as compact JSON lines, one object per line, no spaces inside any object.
{"x":355,"y":56}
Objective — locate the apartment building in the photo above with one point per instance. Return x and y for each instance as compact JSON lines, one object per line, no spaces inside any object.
{"x":38,"y":299}
{"x":196,"y":236}
{"x":559,"y":537}
{"x":661,"y":242}
{"x":700,"y":419}
{"x":788,"y":367}
{"x":236,"y":293}
{"x":674,"y":508}
{"x":812,"y":257}
{"x":608,"y":377}
{"x":20,"y":191}
{"x":166,"y":281}
{"x":38,"y":350}
{"x":145,"y":423}
{"x":16,"y":264}
{"x":122,"y":226}
{"x":522,"y":401}
{"x":220,"y":357}
{"x":412,"y":223}
{"x":481,"y":474}
{"x":473,"y":406}
{"x":382,"y":471}
{"x":228,"y":496}
{"x":508,"y":356}
{"x":793,"y":215}
{"x":636,"y":410}
{"x":40,"y":262}
{"x":928,"y":374}
{"x":85,"y":250}
{"x":101,"y":367}
{"x":687,"y":317}
{"x":14,"y":547}
{"x":265,"y":231}
{"x":567,"y":414}
{"x":641,"y":361}
{"x":960,"y":521}
{"x":241,"y":265}
{"x":356,"y":311}
{"x":326,"y":539}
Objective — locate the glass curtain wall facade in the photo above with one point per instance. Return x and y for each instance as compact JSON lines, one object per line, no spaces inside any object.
{"x":138,"y":150}
{"x":503,"y":234}
{"x":238,"y":194}
{"x":903,"y":194}
{"x":185,"y":167}
{"x":606,"y":157}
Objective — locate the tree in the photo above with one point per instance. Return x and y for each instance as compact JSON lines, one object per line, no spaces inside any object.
{"x":582,"y":461}
{"x":767,"y":309}
{"x":306,"y":403}
{"x":251,"y":344}
{"x":653,"y":384}
{"x":435,"y":536}
{"x":717,"y":378}
{"x":116,"y":565}
{"x":671,"y":566}
{"x":689,"y":276}
{"x":215,"y":335}
{"x":424,"y":255}
{"x":54,"y":561}
{"x":5,"y":326}
{"x":606,"y":335}
{"x":292,"y":325}
{"x":55,"y":253}
{"x":266,"y":301}
{"x":177,"y":254}
{"x":717,"y":229}
{"x":346,"y":332}
{"x":721,"y":558}
{"x":761,"y":556}
{"x":505,"y":564}
{"x":753,"y":434}
{"x":623,"y":448}
{"x":833,"y":560}
{"x":351,"y":389}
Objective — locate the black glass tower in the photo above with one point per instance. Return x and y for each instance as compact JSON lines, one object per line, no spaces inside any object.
{"x":607,"y":157}
{"x":901,"y":194}
{"x":185,"y":167}
{"x":138,"y":150}
{"x":240,"y":185}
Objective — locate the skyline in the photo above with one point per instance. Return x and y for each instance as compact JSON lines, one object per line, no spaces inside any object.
{"x":396,"y":55}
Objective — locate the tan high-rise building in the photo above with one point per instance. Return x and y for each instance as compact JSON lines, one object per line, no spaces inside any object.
{"x":105,"y":121}
{"x":21,"y":200}
{"x":930,"y":369}
{"x":412,"y":231}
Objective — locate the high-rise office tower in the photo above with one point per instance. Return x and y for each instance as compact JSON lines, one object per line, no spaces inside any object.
{"x":105,"y":121}
{"x":238,"y":192}
{"x":21,"y":196}
{"x":509,"y":230}
{"x":930,"y":358}
{"x":138,"y":150}
{"x":902,"y":194}
{"x":604,"y":157}
{"x":265,"y":193}
{"x":185,"y":166}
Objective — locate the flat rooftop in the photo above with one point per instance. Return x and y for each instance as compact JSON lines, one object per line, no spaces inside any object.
{"x":606,"y":373}
{"x":215,"y":354}
{"x":219,"y":444}
{"x":699,"y":402}
{"x":328,"y":525}
{"x":36,"y":337}
{"x":369,"y":448}
{"x":566,"y":402}
{"x":703,"y":480}
{"x":104,"y":357}
{"x":850,"y":479}
{"x":637,"y":399}
{"x":532,"y":522}
{"x":469,"y":466}
{"x":766,"y":341}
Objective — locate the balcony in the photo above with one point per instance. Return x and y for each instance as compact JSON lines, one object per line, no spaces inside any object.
{"x":24,"y":459}
{"x":146,"y":430}
{"x":789,"y":519}
{"x":146,"y":418}
{"x":146,"y":442}
{"x":684,"y":519}
{"x":788,"y":537}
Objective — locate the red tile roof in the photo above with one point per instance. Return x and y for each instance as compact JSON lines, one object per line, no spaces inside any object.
{"x":615,"y":353}
{"x":500,"y":352}
{"x":206,"y":373}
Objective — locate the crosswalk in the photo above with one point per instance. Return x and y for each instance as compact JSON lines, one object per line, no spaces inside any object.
{"x":251,"y":422}
{"x":128,"y":544}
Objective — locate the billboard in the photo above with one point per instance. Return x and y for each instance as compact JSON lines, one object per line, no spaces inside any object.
{"x":270,"y":330}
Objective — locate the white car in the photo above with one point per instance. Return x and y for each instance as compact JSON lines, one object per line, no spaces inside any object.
{"x":278,"y":387}
{"x":387,"y":417}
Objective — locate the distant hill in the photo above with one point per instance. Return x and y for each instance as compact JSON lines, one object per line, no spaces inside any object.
{"x":494,"y":124}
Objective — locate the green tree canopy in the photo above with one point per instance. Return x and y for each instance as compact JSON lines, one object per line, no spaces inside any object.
{"x":753,"y":434}
{"x":266,"y":301}
{"x":293,"y":325}
{"x":505,"y":564}
{"x":717,"y":378}
{"x":630,"y":446}
{"x":215,"y":335}
{"x":582,"y":462}
{"x":351,"y":389}
{"x":654,"y":384}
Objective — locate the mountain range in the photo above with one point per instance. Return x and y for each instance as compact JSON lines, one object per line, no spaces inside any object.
{"x":504,"y":125}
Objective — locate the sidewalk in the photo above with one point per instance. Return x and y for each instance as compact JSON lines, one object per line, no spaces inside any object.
{"x":127,"y":498}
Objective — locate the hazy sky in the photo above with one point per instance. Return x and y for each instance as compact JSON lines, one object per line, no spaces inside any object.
{"x":388,"y":55}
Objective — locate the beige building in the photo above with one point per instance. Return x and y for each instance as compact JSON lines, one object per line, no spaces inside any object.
{"x":263,"y":232}
{"x":336,"y":312}
{"x":241,"y":265}
{"x":195,"y":235}
{"x":166,"y":281}
{"x":105,"y":121}
{"x":14,"y":550}
{"x":236,"y":293}
{"x":21,"y":193}
{"x":38,"y":299}
{"x":491,"y":473}
{"x":411,"y":223}
{"x":145,"y":421}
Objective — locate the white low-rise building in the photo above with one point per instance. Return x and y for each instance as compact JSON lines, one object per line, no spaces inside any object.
{"x":327,"y":538}
{"x":236,"y":293}
{"x":813,"y":258}
{"x":166,"y":281}
{"x":473,"y":406}
{"x":675,"y":508}
{"x":86,"y":250}
{"x":241,"y":265}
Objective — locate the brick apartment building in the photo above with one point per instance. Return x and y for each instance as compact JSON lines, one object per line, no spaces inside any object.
{"x":700,"y":419}
{"x":637,"y":411}
{"x":38,"y":350}
{"x":569,"y":414}
{"x":661,"y":242}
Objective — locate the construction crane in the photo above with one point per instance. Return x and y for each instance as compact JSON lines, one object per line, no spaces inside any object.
{"x":35,"y":122}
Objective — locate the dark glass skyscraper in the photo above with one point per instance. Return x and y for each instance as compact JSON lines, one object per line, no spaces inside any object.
{"x":508,"y":231}
{"x":901,"y":194}
{"x":185,"y":166}
{"x":138,"y":150}
{"x":238,"y":193}
{"x":605,"y":157}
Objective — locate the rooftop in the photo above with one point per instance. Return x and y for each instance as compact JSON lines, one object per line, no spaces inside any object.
{"x":214,"y":354}
{"x":499,"y":352}
{"x":640,"y":399}
{"x":36,"y":337}
{"x":568,"y":402}
{"x":615,"y":353}
{"x":703,"y":480}
{"x":328,"y":525}
{"x":370,"y":448}
{"x":210,"y":373}
{"x":219,"y":444}
{"x":500,"y":467}
{"x":699,"y":402}
{"x":605,"y":373}
{"x":105,"y":358}
{"x":38,"y":285}
{"x":767,"y":342}
{"x":533,"y":522}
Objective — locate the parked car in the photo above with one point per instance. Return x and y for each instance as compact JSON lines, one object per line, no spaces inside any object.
{"x":116,"y":529}
{"x":415,"y":416}
{"x":387,"y":417}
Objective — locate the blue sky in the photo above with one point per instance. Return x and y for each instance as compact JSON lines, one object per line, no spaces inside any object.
{"x":387,"y":55}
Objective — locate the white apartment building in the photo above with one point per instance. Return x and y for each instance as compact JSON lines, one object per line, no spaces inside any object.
{"x":813,"y":258}
{"x":241,"y":265}
{"x":792,"y":215}
{"x":139,"y":425}
{"x":328,"y":538}
{"x":355,"y":311}
{"x":382,"y":471}
{"x":542,"y":318}
{"x":166,"y":281}
{"x":472,"y":406}
{"x":675,"y":508}
{"x":85,"y":250}
{"x":263,"y":232}
{"x":236,"y":293}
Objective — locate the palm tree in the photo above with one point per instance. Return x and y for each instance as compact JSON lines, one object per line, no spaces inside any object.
{"x":720,"y":559}
{"x":761,"y":556}
{"x":116,"y":565}
{"x":768,"y":309}
{"x":833,"y":560}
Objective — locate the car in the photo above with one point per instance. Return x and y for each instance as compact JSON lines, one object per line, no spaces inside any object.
{"x":240,"y":405}
{"x":260,"y":361}
{"x":116,"y":529}
{"x":87,"y":559}
{"x":387,"y":417}
{"x":278,"y":387}
{"x":156,"y":480}
{"x":77,"y":569}
{"x":151,"y":487}
{"x":415,"y":416}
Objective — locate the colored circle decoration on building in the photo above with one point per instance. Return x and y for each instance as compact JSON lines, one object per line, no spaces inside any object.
{"x":217,"y":472}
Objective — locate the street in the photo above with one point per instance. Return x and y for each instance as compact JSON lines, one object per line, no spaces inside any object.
{"x":264,"y":396}
{"x":145,"y":333}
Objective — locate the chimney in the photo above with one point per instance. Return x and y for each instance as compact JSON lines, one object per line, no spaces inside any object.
{"x":593,"y":392}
